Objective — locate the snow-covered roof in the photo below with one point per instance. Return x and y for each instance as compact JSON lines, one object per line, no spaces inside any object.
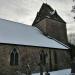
{"x":17,"y":33}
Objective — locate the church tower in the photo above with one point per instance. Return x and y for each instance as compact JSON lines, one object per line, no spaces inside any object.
{"x":50,"y":23}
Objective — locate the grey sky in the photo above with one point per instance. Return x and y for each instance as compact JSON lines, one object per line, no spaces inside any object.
{"x":24,"y":11}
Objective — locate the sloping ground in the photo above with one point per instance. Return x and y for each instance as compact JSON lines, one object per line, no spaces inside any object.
{"x":60,"y":72}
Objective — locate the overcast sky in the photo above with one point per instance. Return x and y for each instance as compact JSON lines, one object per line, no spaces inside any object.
{"x":24,"y":11}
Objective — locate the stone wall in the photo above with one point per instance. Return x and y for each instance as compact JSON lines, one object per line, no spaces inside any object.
{"x":29,"y":55}
{"x":57,"y":30}
{"x":42,"y":26}
{"x":53,"y":29}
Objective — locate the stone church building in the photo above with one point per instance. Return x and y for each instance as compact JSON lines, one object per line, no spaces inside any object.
{"x":23,"y":46}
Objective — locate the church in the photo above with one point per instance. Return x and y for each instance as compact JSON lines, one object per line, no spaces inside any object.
{"x":22,"y":45}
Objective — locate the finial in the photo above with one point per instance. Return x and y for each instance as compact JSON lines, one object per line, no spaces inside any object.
{"x":44,"y":1}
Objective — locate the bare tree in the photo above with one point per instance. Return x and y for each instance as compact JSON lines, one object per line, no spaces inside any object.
{"x":73,"y":9}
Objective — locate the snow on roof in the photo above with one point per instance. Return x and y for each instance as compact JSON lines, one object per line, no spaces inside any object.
{"x":17,"y":33}
{"x":59,"y":72}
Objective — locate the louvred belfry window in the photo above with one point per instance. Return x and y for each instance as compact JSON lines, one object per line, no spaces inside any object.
{"x":14,"y":57}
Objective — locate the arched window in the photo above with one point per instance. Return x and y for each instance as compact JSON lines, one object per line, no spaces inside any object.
{"x":14,"y":57}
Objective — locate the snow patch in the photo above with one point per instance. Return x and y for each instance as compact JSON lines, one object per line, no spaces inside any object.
{"x":60,"y":72}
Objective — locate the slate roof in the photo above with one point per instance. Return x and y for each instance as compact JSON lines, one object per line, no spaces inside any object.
{"x":21,"y":34}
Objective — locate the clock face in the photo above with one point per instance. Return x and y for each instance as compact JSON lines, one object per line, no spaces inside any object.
{"x":52,"y":13}
{"x":48,"y":16}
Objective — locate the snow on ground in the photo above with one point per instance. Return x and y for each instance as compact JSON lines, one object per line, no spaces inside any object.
{"x":17,"y":33}
{"x":60,"y":72}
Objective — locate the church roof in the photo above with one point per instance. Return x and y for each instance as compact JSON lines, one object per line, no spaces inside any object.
{"x":21,"y":34}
